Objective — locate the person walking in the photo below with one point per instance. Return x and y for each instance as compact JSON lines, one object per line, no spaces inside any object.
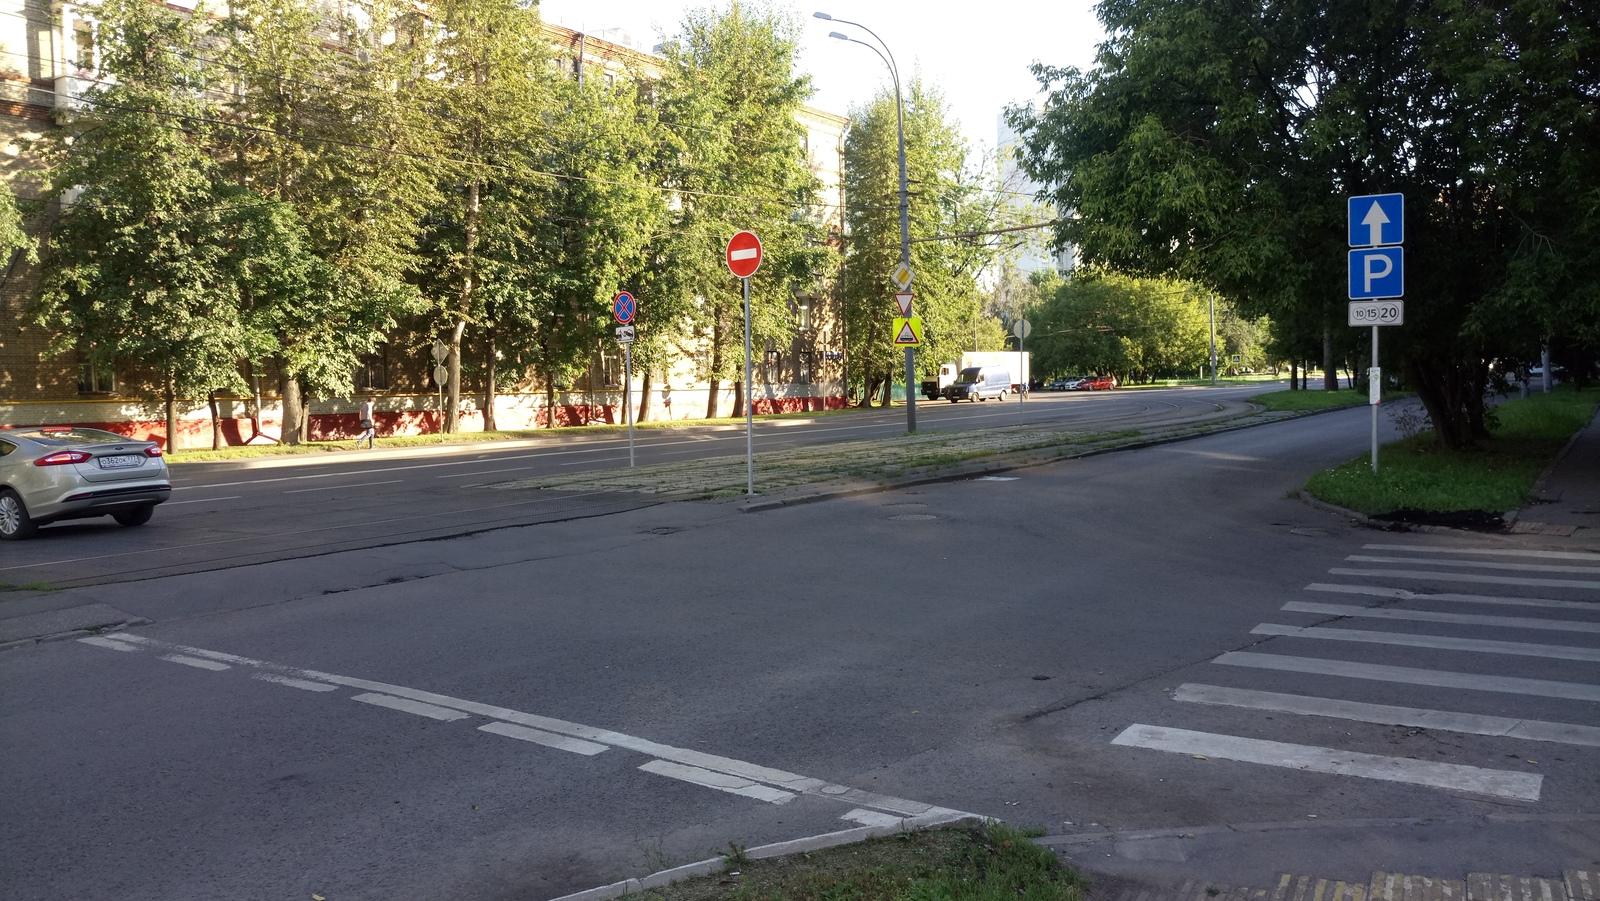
{"x":369,"y":429}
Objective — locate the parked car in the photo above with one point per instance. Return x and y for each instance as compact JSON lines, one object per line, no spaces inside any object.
{"x":52,"y":473}
{"x":1097,"y":383}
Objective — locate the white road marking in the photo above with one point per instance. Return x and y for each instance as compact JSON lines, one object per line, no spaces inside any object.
{"x":106,"y":642}
{"x":196,"y":662}
{"x":1443,"y":642}
{"x":696,"y":759}
{"x":1464,"y":577}
{"x":203,"y":500}
{"x":1376,"y":591}
{"x":871,"y":817}
{"x":1479,"y":564}
{"x":1496,"y":552}
{"x":722,"y":782}
{"x":1543,"y":688}
{"x":432,"y":711}
{"x":337,"y":487}
{"x":1453,"y":776}
{"x":548,"y":739}
{"x":295,"y":683}
{"x":1428,"y":616}
{"x":1385,"y":715}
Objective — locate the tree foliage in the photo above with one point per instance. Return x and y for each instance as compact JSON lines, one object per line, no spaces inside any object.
{"x":1136,"y":329}
{"x":1217,"y":142}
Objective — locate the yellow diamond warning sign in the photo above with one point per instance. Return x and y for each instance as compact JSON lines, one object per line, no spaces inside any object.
{"x":908,"y":332}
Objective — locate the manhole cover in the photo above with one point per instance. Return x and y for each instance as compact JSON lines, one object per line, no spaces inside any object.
{"x":1311,"y":533}
{"x":914,"y":517}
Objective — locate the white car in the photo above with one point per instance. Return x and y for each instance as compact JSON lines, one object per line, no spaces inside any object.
{"x":52,"y":473}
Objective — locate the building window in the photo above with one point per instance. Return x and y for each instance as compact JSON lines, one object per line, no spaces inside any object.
{"x":372,"y":374}
{"x":803,"y":367}
{"x":97,"y":376}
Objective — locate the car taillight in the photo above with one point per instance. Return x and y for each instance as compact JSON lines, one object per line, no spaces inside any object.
{"x":62,"y":458}
{"x":153,"y":450}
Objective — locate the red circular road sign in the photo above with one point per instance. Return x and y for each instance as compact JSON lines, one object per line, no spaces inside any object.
{"x":622,"y":307}
{"x":744,"y":254}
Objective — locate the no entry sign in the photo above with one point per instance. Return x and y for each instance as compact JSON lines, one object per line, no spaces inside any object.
{"x":744,"y":254}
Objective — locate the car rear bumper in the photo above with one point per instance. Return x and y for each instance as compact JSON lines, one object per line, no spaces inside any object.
{"x":99,"y":500}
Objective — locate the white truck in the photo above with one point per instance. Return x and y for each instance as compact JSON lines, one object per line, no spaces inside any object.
{"x":1014,"y":362}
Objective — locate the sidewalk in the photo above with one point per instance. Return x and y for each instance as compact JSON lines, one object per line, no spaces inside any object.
{"x":1567,"y":494}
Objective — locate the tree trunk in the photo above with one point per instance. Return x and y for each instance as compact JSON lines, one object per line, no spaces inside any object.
{"x":716,"y":367}
{"x":452,"y":391}
{"x":1439,"y":389}
{"x":644,"y":397}
{"x":738,"y":397}
{"x":216,"y":423}
{"x":469,"y":285}
{"x":1330,"y":372}
{"x":549,"y":400}
{"x":888,"y":385}
{"x":289,"y":394}
{"x":170,"y":395}
{"x":488,"y":381}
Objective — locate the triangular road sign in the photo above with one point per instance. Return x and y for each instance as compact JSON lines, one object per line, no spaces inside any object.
{"x":908,"y":332}
{"x":904,"y":300}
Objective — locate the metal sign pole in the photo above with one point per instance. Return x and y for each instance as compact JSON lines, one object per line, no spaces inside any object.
{"x":749,"y":416}
{"x":1374,"y":392}
{"x":627,"y":393}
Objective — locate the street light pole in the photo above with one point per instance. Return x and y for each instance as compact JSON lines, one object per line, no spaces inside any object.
{"x":905,"y":213}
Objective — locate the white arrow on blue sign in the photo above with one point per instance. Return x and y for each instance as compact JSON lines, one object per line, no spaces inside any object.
{"x":1377,"y":272}
{"x":1377,"y":219}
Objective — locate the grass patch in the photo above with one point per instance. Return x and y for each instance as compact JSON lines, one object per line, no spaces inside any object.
{"x":993,"y":863}
{"x":28,"y":586}
{"x":1315,"y":399}
{"x":1497,"y":475}
{"x":1205,"y":382}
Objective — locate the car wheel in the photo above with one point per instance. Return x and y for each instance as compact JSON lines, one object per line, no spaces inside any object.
{"x":137,"y":516}
{"x":15,"y":523}
{"x":951,"y":399}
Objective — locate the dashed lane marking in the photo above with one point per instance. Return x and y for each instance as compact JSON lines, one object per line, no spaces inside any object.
{"x":723,"y":782}
{"x":432,"y":711}
{"x":1464,"y":577}
{"x":196,"y":662}
{"x":292,"y":682}
{"x":548,"y":739}
{"x":1543,"y":688}
{"x":1427,"y":616}
{"x":349,"y":485}
{"x":100,"y":641}
{"x":1403,"y":594}
{"x":1387,"y":715}
{"x":1441,"y":642}
{"x":1307,"y":758}
{"x":1488,"y":552}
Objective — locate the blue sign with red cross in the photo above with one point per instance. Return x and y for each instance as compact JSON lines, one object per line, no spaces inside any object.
{"x":622,"y":307}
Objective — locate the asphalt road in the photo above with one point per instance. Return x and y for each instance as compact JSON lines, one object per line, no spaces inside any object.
{"x":222,"y":515}
{"x":538,"y":709}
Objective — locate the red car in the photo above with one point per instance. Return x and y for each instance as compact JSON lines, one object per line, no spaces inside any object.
{"x":1098,"y":383}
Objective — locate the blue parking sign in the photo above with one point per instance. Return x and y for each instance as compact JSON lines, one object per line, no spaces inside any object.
{"x":1377,"y":272}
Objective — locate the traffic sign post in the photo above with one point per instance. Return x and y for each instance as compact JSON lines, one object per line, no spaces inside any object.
{"x":1022,"y":329}
{"x":619,"y":308}
{"x":744,"y":258}
{"x":1377,"y":226}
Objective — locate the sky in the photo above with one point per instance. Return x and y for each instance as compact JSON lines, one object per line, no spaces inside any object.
{"x":979,"y":59}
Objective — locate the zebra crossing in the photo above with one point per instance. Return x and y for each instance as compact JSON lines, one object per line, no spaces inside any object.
{"x":1376,"y":623}
{"x":1574,"y":885}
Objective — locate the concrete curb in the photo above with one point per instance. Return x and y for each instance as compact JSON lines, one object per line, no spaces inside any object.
{"x":1009,"y":466}
{"x":778,"y":849}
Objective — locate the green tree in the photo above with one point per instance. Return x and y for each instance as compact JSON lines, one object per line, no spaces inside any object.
{"x":1217,"y":142}
{"x":489,"y":79}
{"x":949,"y":196}
{"x":12,"y":236}
{"x":735,"y":159}
{"x":141,"y":265}
{"x":329,"y":131}
{"x":1136,"y":329}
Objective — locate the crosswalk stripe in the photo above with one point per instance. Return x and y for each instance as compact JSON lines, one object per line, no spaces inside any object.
{"x":1480,"y":564}
{"x":1464,"y":577}
{"x":1543,"y":688}
{"x":1387,"y":715}
{"x":1454,"y":776}
{"x":722,"y":782}
{"x":1381,"y":592}
{"x":1443,"y":642}
{"x":1494,"y":552}
{"x":1428,"y":616}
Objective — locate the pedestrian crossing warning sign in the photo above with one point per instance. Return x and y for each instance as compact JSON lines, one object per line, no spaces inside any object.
{"x":908,"y":332}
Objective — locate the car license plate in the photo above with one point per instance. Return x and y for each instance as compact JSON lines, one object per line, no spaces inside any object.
{"x":121,"y":461}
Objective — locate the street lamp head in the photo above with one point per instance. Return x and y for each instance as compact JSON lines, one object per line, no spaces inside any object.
{"x":837,"y":36}
{"x":823,"y":16}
